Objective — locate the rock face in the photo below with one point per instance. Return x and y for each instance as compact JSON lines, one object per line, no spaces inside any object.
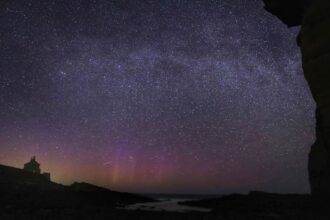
{"x":314,"y":16}
{"x":266,"y":206}
{"x":318,"y":162}
{"x":315,"y":48}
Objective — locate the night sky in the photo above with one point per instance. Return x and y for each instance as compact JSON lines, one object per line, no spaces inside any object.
{"x":169,"y":96}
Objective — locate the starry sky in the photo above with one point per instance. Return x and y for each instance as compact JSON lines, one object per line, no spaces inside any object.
{"x":167,"y":96}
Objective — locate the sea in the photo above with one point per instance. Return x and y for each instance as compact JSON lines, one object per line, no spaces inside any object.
{"x":170,"y":203}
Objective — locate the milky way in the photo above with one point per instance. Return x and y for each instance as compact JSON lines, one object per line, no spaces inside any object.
{"x":187,"y":96}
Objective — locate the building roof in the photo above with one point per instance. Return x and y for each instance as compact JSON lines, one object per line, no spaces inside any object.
{"x":33,"y":162}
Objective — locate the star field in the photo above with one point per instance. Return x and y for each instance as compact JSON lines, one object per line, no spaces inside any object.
{"x":155,"y":96}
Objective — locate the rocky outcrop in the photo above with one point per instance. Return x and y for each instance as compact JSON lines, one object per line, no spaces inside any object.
{"x":21,"y":188}
{"x":315,"y":48}
{"x":318,"y":166}
{"x":17,"y":179}
{"x":314,"y":17}
{"x":86,"y":187}
{"x":265,"y":206}
{"x":289,"y":11}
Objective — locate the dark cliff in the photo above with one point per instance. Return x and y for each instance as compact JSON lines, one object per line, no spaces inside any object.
{"x":314,"y":18}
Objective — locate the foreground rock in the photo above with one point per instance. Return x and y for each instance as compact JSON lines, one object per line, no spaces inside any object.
{"x":314,"y":17}
{"x":26,"y":196}
{"x":260,"y":205}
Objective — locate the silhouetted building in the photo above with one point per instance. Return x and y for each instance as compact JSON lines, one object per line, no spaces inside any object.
{"x":33,"y":166}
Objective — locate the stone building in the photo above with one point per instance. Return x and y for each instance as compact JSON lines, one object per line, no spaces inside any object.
{"x":34,"y":167}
